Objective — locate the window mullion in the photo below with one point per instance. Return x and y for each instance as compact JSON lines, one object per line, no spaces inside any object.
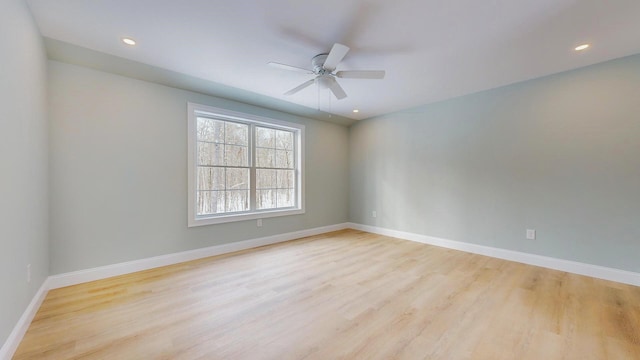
{"x":252,"y":168}
{"x":296,"y":168}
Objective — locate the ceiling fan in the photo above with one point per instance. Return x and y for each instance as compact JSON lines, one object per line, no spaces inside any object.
{"x":324,"y":69}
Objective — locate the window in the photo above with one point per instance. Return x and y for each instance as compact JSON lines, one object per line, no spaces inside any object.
{"x":242,"y":166}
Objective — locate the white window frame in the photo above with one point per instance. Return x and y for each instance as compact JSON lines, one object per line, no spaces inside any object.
{"x":196,"y":110}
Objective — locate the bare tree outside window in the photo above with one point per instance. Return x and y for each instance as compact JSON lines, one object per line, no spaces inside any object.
{"x":275,"y":170}
{"x":224,"y":165}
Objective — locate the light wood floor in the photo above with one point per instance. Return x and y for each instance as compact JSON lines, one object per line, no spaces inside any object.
{"x":344,"y":295}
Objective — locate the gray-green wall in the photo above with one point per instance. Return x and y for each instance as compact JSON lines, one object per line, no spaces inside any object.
{"x":119,"y":171}
{"x":23,"y":163}
{"x":560,"y":154}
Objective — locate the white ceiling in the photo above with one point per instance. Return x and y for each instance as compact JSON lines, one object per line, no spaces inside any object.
{"x":431,"y":50}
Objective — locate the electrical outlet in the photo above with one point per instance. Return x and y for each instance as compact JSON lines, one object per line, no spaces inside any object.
{"x":259,"y":223}
{"x":29,"y":273}
{"x":531,"y":234}
{"x":374,"y":214}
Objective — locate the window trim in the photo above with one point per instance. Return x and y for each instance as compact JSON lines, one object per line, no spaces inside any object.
{"x":195,"y":110}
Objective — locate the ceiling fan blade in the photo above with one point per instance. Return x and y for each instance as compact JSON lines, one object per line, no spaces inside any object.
{"x":337,"y":90}
{"x":361,"y":74}
{"x":289,"y":67}
{"x":337,"y":53}
{"x":300,"y":87}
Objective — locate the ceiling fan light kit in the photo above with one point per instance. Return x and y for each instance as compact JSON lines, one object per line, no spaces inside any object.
{"x":324,"y":69}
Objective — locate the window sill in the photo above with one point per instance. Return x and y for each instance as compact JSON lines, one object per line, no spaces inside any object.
{"x":201,"y":221}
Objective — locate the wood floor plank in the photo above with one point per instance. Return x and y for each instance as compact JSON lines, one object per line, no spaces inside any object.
{"x":342,"y":295}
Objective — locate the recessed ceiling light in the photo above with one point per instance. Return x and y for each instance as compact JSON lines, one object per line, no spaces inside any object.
{"x":582,"y":47}
{"x":129,"y":41}
{"x":356,"y":110}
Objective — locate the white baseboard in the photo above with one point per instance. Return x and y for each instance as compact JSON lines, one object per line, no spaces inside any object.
{"x":11,"y":344}
{"x":78,"y":277}
{"x":103,"y":272}
{"x":600,"y":272}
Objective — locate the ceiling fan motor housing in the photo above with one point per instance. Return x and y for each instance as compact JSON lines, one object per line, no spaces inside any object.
{"x":318,"y":62}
